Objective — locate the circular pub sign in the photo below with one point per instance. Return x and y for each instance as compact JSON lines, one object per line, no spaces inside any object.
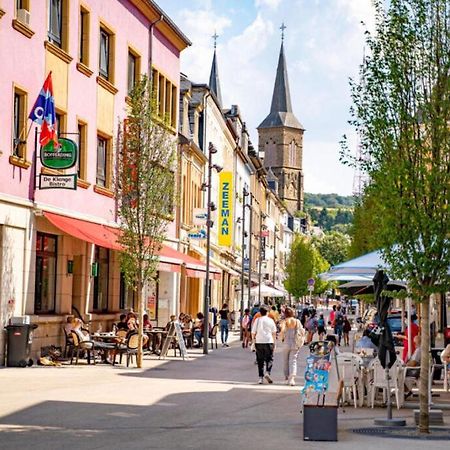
{"x":64,"y":156}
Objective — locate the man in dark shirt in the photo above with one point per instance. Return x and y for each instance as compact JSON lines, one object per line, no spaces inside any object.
{"x":224,"y":314}
{"x":122,"y":324}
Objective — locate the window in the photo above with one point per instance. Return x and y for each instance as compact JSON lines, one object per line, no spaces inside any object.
{"x":60,"y":123}
{"x":55,"y":22}
{"x":45,"y":283}
{"x":83,"y":50}
{"x":101,"y":278}
{"x":166,"y":97}
{"x":19,"y":123}
{"x":82,"y":146}
{"x":133,"y":69}
{"x":102,"y":178}
{"x":127,"y":297}
{"x":106,"y":57}
{"x":22,"y":4}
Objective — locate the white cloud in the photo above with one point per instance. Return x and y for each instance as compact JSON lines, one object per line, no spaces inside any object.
{"x":273,"y":4}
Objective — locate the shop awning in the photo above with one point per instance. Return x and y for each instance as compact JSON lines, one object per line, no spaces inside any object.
{"x":170,"y":260}
{"x":95,"y":233}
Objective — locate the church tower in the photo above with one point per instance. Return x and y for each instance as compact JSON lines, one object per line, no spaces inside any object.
{"x":281,"y":140}
{"x":214,"y":82}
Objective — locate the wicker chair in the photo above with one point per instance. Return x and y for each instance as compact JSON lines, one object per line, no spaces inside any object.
{"x":130,"y":348}
{"x":79,"y":344}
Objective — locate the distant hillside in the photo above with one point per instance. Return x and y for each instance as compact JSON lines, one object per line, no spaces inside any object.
{"x":329,"y":201}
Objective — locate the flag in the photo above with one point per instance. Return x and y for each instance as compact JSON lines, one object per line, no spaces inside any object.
{"x":43,"y":113}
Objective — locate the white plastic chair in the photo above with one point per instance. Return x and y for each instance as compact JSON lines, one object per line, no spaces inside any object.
{"x":349,"y":373}
{"x":379,"y":382}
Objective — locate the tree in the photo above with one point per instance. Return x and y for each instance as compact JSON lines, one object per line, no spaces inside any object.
{"x":304,"y":262}
{"x":402,"y":113}
{"x":333,"y":246}
{"x":144,"y":192}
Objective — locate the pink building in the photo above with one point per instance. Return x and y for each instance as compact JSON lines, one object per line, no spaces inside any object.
{"x":57,"y":255}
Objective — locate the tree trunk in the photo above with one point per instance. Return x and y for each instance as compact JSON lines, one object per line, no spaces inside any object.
{"x":141,"y":321}
{"x":424,"y":387}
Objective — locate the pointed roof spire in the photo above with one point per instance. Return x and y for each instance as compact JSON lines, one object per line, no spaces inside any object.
{"x":281,"y":108}
{"x":214,"y":82}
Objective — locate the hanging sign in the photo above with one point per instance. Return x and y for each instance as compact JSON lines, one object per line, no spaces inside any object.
{"x":58,"y":181}
{"x":200,"y":216}
{"x":198,"y":234}
{"x":62,"y":157}
{"x":225,"y":212}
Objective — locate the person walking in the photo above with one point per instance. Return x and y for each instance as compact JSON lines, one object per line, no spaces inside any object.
{"x":264,"y":332}
{"x":246,"y":324}
{"x":321,"y":328}
{"x":224,"y":314}
{"x":292,"y":336}
{"x":346,"y":328}
{"x":339,"y":324}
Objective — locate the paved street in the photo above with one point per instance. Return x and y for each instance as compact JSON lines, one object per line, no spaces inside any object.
{"x":206,"y":402}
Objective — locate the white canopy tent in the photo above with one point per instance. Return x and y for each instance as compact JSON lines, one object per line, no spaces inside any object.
{"x":266,"y":291}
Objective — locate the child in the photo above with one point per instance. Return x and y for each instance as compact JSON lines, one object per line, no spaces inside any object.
{"x":321,"y":327}
{"x":346,"y":330}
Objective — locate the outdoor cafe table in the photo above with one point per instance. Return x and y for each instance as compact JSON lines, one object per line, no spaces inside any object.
{"x":105,"y":337}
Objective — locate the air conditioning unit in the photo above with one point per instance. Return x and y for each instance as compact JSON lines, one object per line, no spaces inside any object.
{"x":23,"y":16}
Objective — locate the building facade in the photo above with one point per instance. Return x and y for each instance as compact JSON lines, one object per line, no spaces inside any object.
{"x":58,"y":250}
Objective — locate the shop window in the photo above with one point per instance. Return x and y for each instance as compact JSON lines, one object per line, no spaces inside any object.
{"x":127,"y":296}
{"x":45,"y":284}
{"x":19,"y":123}
{"x":101,"y":278}
{"x":83,"y":50}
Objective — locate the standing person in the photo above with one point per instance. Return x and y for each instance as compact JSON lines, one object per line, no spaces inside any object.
{"x":224,"y":314}
{"x":339,"y":324}
{"x":346,"y":330}
{"x":332,"y":316}
{"x":321,"y":328}
{"x":264,"y":332}
{"x":291,"y":346}
{"x":311,"y":327}
{"x":246,"y":324}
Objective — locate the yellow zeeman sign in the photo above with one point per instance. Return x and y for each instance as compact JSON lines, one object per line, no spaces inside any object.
{"x":225,"y":208}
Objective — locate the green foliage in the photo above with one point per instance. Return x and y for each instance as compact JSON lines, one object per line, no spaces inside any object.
{"x":333,"y":246}
{"x":304,"y":262}
{"x":364,"y":232}
{"x":402,"y":113}
{"x":144,"y":186}
{"x":328,"y":201}
{"x":329,"y":218}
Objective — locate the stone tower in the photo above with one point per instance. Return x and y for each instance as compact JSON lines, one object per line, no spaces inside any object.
{"x":281,"y":141}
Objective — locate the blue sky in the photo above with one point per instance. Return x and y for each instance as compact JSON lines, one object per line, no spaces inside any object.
{"x":324,"y":46}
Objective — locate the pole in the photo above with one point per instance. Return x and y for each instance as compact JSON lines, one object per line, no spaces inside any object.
{"x":250,"y":230}
{"x":208,"y":245}
{"x":244,"y":194}
{"x":260,"y":257}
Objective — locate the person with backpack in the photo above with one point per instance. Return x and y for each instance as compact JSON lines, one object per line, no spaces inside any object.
{"x":321,"y":327}
{"x":293,"y":337}
{"x":311,"y":327}
{"x":339,"y":324}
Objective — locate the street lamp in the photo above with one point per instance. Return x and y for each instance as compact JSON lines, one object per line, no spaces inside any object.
{"x":209,"y":223}
{"x":261,"y":252}
{"x":244,"y":205}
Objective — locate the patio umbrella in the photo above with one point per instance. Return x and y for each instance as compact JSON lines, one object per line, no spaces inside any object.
{"x":267,"y":291}
{"x":386,"y":350}
{"x":366,"y":287}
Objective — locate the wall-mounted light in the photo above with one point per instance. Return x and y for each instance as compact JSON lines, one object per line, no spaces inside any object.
{"x":94,"y":269}
{"x":70,"y":266}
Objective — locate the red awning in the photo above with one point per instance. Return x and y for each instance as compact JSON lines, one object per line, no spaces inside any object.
{"x":107,"y":237}
{"x":95,"y":233}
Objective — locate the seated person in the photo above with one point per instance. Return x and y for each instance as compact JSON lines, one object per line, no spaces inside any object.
{"x":411,"y":375}
{"x":173,"y":318}
{"x":445,"y":355}
{"x":68,"y":326}
{"x":122,"y":324}
{"x":198,"y":329}
{"x":132,"y":322}
{"x":365,"y":342}
{"x":146,"y":322}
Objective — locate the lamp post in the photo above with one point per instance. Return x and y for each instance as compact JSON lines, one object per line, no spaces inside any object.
{"x":244,"y":205}
{"x":262,"y":227}
{"x":209,"y":223}
{"x":250,"y":230}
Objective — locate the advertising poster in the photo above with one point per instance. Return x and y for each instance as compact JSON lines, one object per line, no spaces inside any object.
{"x":318,"y":365}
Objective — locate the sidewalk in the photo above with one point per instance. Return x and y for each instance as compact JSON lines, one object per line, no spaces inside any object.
{"x":205,"y":402}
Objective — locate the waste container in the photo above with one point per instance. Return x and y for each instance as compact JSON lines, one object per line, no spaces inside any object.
{"x":19,"y":340}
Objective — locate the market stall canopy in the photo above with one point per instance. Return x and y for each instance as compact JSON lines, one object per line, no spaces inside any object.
{"x":266,"y":291}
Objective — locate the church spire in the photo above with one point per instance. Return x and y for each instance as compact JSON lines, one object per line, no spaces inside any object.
{"x":281,"y":108}
{"x":214,"y":82}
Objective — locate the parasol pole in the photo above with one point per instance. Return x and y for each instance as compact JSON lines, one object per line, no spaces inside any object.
{"x":409,"y":328}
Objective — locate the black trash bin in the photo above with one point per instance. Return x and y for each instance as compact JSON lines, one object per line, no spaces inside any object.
{"x":20,"y":338}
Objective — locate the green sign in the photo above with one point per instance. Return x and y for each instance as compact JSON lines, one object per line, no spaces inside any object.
{"x":62,"y":157}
